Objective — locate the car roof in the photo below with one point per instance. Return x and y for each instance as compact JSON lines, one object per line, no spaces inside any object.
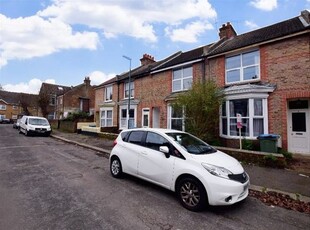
{"x":35,"y":117}
{"x":157,"y":130}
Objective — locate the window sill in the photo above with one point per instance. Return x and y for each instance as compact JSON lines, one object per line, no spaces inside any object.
{"x":242,"y":82}
{"x":237,"y":137}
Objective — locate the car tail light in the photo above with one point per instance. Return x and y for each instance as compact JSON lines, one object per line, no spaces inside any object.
{"x":114,"y":142}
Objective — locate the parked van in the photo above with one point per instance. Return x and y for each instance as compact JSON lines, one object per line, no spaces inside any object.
{"x":30,"y":125}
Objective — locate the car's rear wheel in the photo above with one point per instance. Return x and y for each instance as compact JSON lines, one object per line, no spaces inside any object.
{"x":191,"y":194}
{"x":116,"y":167}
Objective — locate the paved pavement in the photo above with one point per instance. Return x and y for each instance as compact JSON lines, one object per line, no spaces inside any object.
{"x":291,"y":182}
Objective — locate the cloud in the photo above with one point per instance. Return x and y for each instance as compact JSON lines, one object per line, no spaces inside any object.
{"x":134,"y":18}
{"x":266,"y":5}
{"x":189,"y":33}
{"x":25,"y":38}
{"x":251,"y":25}
{"x":97,"y":77}
{"x":33,"y":86}
{"x":67,"y":24}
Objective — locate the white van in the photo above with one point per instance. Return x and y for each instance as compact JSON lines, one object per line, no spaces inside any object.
{"x":34,"y":125}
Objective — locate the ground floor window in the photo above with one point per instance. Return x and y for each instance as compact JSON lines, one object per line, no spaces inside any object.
{"x":51,"y":116}
{"x":145,"y":118}
{"x":176,"y":118}
{"x":124,"y":122}
{"x":106,"y":117}
{"x":253,"y":112}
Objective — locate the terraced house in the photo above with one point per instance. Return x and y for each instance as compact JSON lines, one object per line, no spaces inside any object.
{"x":265,"y":76}
{"x":14,"y":104}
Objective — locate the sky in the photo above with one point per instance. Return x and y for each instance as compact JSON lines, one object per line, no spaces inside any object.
{"x":63,"y":41}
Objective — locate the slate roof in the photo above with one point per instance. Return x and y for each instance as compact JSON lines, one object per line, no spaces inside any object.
{"x":140,"y":71}
{"x":265,"y":34}
{"x":56,"y":89}
{"x":278,"y":30}
{"x":183,"y":57}
{"x":14,"y":98}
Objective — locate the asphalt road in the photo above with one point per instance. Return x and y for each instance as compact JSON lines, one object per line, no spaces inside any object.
{"x":49,"y":184}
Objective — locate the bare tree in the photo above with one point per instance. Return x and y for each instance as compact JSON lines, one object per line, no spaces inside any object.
{"x":43,"y":102}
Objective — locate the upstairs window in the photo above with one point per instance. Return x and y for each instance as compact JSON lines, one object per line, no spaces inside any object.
{"x":2,"y":107}
{"x":126,"y":90}
{"x":242,"y":67}
{"x":108,"y":93}
{"x":53,"y":100}
{"x":182,"y":79}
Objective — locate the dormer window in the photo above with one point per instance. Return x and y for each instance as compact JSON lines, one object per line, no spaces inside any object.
{"x":242,"y":67}
{"x":182,"y":79}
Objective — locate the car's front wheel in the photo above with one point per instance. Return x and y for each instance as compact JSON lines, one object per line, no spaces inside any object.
{"x":191,"y":194}
{"x":116,"y":167}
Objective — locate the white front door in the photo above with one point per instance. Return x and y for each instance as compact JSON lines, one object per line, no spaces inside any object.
{"x":299,"y":131}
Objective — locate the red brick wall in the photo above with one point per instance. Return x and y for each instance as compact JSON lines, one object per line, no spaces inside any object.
{"x":152,"y":91}
{"x":286,"y":64}
{"x":283,"y":63}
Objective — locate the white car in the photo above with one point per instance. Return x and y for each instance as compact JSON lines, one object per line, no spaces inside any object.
{"x":31,"y":125}
{"x":179,"y":161}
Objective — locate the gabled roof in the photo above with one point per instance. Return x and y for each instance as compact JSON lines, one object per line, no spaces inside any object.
{"x":265,"y":34}
{"x":140,"y":71}
{"x":184,"y":57}
{"x":54,"y":89}
{"x":14,"y":98}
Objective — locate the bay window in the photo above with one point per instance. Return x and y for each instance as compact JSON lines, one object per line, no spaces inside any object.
{"x":254,"y":117}
{"x":106,"y":118}
{"x":176,"y":118}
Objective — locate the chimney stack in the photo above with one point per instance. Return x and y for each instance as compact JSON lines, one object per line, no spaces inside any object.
{"x":306,"y":16}
{"x":147,"y":59}
{"x":227,"y":31}
{"x":87,"y":81}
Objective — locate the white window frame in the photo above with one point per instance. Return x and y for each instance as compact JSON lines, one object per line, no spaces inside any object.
{"x":108,"y":90}
{"x":132,"y":89}
{"x":123,"y":121}
{"x":170,"y":118}
{"x":104,"y":118}
{"x":242,"y":67}
{"x":145,"y":112}
{"x":15,"y":107}
{"x":2,"y":107}
{"x":182,"y":78}
{"x":251,"y":117}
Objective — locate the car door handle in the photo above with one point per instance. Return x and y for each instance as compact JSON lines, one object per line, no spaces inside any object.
{"x":144,"y":153}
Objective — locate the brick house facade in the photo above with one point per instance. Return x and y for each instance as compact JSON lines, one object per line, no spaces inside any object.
{"x":264,"y":75}
{"x":78,"y":98}
{"x":13,"y":104}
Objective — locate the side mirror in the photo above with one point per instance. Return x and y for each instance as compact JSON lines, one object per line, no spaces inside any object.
{"x":165,"y":150}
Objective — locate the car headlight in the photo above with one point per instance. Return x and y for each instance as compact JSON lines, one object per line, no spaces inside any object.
{"x":216,"y":170}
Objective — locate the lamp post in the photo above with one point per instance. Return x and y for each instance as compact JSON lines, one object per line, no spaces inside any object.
{"x":129,"y":89}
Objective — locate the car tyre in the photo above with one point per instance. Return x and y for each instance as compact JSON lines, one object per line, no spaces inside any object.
{"x":192,"y":194}
{"x":116,"y":167}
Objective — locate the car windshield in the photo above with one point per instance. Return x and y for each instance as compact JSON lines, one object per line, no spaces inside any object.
{"x":191,"y":144}
{"x":38,"y":121}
